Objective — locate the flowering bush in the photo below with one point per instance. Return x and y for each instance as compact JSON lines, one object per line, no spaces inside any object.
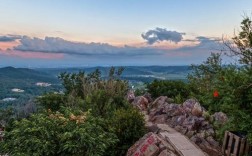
{"x":58,"y":133}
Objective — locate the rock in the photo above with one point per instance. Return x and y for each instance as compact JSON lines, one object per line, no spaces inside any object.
{"x":189,"y":134}
{"x":159,"y":119}
{"x":173,"y":110}
{"x":195,"y":139}
{"x":166,"y":153}
{"x":159,"y":101}
{"x":201,"y":135}
{"x":161,"y":109}
{"x":141,"y":102}
{"x":206,"y":146}
{"x":220,"y":117}
{"x":211,"y":141}
{"x":205,"y":125}
{"x":210,"y":132}
{"x":130,"y":96}
{"x":150,"y":145}
{"x":192,"y":123}
{"x":189,"y":104}
{"x":169,"y":100}
{"x":148,"y":97}
{"x":153,"y":128}
{"x":149,"y":150}
{"x":197,"y":110}
{"x":148,"y":139}
{"x":177,"y":120}
{"x":181,"y":129}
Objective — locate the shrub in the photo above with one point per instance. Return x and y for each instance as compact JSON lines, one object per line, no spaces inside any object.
{"x":170,"y":88}
{"x":58,"y":133}
{"x":52,"y":101}
{"x":129,"y":126}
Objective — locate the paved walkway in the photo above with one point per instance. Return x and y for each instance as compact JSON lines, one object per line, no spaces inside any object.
{"x":179,"y":142}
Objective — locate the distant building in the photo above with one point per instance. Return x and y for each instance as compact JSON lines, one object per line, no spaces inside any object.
{"x":43,"y":84}
{"x":8,"y":99}
{"x":17,"y":90}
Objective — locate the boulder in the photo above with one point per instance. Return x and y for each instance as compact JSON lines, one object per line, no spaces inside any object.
{"x":173,"y":110}
{"x":169,"y":100}
{"x":135,"y":149}
{"x":150,"y":145}
{"x":207,"y":147}
{"x":159,"y":119}
{"x":130,"y":96}
{"x":181,"y":129}
{"x":148,"y":97}
{"x":152,"y":128}
{"x":189,"y":105}
{"x":192,"y":123}
{"x":197,"y":110}
{"x":166,"y":153}
{"x":213,"y":142}
{"x":159,"y":101}
{"x":141,"y":102}
{"x":205,"y":125}
{"x":220,"y":117}
{"x":177,"y":120}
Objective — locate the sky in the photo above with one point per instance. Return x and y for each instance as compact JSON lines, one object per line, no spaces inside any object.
{"x":64,"y":33}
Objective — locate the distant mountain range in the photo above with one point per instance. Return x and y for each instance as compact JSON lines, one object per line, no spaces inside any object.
{"x":147,"y":73}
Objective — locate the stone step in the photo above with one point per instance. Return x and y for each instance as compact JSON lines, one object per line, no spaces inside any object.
{"x":182,"y":145}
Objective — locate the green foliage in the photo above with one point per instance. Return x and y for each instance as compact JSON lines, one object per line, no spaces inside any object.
{"x":244,"y":42}
{"x":6,"y":116}
{"x":129,"y":126}
{"x":58,"y":133}
{"x":109,"y":126}
{"x":52,"y":101}
{"x":170,"y":88}
{"x":228,"y":88}
{"x":139,"y":92}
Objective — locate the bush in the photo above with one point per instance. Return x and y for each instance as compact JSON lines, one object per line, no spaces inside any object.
{"x":129,"y":126}
{"x":110,"y":127}
{"x":58,"y":133}
{"x":170,"y":88}
{"x":52,"y":101}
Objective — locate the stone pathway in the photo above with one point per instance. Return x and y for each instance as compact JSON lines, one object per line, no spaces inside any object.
{"x":179,"y":142}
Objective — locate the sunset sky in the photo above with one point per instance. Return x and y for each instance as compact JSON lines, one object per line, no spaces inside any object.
{"x":65,"y":33}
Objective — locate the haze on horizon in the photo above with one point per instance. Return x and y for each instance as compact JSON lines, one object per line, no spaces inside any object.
{"x":62,"y":33}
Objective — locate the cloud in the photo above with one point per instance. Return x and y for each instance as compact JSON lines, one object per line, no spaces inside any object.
{"x":9,"y":38}
{"x":161,"y":34}
{"x":205,"y":44}
{"x":54,"y":51}
{"x":59,"y":45}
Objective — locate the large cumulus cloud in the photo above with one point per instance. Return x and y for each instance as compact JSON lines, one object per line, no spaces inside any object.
{"x":161,"y":34}
{"x":59,"y":45}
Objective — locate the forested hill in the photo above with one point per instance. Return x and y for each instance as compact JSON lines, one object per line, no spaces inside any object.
{"x":24,"y":79}
{"x":24,"y":74}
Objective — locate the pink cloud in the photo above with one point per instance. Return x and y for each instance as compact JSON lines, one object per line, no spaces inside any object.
{"x":38,"y":55}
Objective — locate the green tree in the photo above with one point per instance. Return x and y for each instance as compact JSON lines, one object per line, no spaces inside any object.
{"x":228,"y":88}
{"x":170,"y":88}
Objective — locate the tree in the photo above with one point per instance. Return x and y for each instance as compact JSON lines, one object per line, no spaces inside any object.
{"x":228,"y":88}
{"x":243,"y":43}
